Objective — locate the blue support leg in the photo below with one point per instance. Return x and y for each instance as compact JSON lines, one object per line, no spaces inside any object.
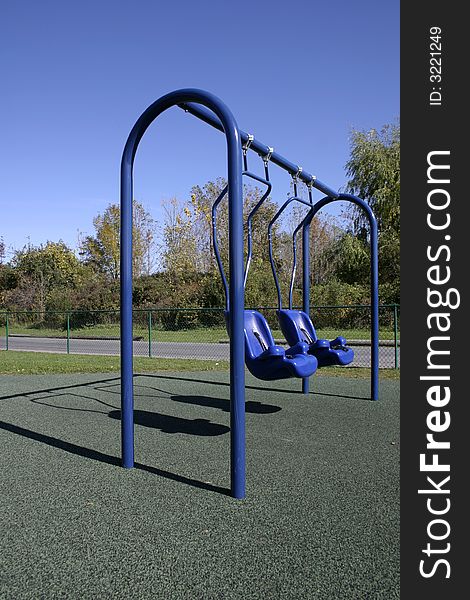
{"x":127,"y":391}
{"x":236,"y":317}
{"x":306,"y":286}
{"x":374,"y":276}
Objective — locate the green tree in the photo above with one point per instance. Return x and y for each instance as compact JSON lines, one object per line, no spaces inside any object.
{"x":8,"y":282}
{"x":188,"y":257}
{"x":102,"y":250}
{"x":374,"y":175}
{"x":182,"y":253}
{"x":41,"y":271}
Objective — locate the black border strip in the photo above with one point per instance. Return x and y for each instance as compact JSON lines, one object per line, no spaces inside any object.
{"x":426,"y":128}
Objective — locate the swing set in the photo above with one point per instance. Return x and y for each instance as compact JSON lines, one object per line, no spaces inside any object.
{"x":251,"y":339}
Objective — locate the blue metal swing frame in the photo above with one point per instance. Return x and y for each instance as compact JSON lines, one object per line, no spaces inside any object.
{"x":374,"y":277}
{"x":212,"y":110}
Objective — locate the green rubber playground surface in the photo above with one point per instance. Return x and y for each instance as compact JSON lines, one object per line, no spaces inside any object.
{"x":321,"y":518}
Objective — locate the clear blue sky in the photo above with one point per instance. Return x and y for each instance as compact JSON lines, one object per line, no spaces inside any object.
{"x":76,"y":75}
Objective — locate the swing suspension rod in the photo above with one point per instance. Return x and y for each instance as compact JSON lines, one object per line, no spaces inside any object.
{"x":261,"y":149}
{"x":249,"y":220}
{"x":215,"y":242}
{"x":302,"y":224}
{"x":271,"y":255}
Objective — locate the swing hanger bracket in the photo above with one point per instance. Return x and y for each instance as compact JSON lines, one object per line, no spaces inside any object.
{"x":247,"y":144}
{"x":295,"y":176}
{"x":310,"y":182}
{"x":267,"y":157}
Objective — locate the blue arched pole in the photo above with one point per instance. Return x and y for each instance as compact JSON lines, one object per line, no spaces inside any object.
{"x":236,"y":291}
{"x":374,"y":277}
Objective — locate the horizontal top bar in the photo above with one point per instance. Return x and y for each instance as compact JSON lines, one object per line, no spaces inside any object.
{"x":208,"y":117}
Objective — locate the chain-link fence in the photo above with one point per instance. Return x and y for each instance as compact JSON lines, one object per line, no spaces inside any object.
{"x":187,"y":333}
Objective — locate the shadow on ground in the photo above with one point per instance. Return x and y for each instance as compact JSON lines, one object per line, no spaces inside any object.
{"x":169,"y":424}
{"x":321,"y":518}
{"x":106,"y":458}
{"x":257,"y":408}
{"x":251,"y":387}
{"x":249,"y":405}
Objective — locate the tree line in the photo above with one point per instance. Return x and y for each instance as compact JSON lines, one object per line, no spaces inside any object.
{"x":178,"y":269}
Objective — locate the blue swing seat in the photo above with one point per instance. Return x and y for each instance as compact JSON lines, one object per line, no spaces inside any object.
{"x":267,"y":361}
{"x":297,"y":327}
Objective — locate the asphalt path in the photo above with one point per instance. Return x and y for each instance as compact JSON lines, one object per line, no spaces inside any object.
{"x":190,"y":350}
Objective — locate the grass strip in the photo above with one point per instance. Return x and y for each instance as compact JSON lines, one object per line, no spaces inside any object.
{"x":39,"y":363}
